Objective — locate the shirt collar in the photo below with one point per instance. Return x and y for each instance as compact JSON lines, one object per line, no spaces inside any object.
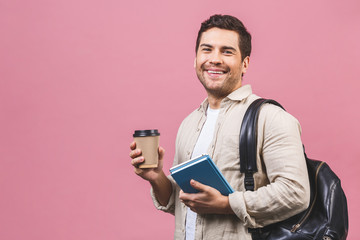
{"x":237,"y":95}
{"x":240,"y":93}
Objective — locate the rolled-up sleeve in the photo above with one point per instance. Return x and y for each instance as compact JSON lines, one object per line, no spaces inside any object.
{"x":170,"y":207}
{"x":280,"y":150}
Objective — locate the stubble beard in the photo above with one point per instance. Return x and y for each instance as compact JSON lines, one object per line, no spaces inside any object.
{"x":220,"y":92}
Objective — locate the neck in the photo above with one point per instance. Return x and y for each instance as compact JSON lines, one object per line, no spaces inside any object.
{"x":215,"y":97}
{"x":214,"y":102}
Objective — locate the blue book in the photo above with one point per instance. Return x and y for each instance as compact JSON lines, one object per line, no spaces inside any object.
{"x":203,"y":170}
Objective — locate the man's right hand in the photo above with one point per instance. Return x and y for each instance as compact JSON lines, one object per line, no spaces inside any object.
{"x":160,"y":183}
{"x":149,"y":174}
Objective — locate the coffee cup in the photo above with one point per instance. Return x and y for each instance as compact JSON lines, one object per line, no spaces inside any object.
{"x":148,"y":142}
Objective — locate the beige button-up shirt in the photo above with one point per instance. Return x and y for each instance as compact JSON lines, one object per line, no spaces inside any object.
{"x":281,"y":183}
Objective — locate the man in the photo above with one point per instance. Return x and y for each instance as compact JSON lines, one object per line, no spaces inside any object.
{"x":281,"y":184}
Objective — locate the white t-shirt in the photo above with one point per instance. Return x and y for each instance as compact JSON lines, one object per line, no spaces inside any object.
{"x":201,"y":147}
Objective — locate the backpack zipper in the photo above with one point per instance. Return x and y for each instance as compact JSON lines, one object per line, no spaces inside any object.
{"x":302,"y":220}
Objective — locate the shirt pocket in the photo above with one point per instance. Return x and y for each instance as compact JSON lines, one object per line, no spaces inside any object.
{"x":230,"y":146}
{"x":228,"y":160}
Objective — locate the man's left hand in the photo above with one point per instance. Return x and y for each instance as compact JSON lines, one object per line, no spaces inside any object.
{"x":207,"y":200}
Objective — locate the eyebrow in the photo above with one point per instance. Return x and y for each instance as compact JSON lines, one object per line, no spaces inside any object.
{"x":228,"y":48}
{"x":223,"y":48}
{"x":206,"y":45}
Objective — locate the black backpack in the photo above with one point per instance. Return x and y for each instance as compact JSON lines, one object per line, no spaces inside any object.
{"x":327,"y":215}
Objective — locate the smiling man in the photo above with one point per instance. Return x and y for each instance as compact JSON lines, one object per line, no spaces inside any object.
{"x":219,"y":64}
{"x":223,"y":50}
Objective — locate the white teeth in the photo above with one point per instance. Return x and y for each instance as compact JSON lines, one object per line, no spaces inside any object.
{"x":217,"y":72}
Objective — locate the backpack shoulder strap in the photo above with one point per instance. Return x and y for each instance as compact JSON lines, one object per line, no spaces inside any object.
{"x":248,"y":140}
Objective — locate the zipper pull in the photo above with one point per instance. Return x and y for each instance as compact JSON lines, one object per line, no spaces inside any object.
{"x":295,"y":227}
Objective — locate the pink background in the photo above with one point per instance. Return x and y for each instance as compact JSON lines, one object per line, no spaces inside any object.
{"x":77,"y":77}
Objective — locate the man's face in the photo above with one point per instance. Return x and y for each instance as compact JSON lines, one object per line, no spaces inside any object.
{"x":218,"y":62}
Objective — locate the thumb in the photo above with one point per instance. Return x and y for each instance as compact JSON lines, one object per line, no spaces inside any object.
{"x":161,"y":152}
{"x":198,"y":186}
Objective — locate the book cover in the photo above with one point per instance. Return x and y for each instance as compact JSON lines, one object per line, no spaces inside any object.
{"x":203,"y":170}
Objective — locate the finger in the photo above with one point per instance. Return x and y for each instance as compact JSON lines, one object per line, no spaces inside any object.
{"x":198,"y":186}
{"x":133,"y":145}
{"x":139,"y":171}
{"x":136,"y":161}
{"x":186,"y":197}
{"x":183,"y":196}
{"x":135,"y":153}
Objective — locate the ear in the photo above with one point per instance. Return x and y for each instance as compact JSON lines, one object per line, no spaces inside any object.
{"x":195,"y":62}
{"x":245,"y":64}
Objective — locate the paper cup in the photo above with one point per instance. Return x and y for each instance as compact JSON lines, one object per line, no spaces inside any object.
{"x":148,"y":142}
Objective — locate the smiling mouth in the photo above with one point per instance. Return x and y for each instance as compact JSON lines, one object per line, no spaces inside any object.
{"x":216,"y":73}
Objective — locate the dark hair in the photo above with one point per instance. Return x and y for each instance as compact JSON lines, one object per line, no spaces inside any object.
{"x":229,"y":23}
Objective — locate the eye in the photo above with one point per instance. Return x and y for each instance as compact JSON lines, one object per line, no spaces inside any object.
{"x":228,"y":52}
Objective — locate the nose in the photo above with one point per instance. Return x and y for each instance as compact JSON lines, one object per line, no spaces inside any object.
{"x":216,"y":58}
